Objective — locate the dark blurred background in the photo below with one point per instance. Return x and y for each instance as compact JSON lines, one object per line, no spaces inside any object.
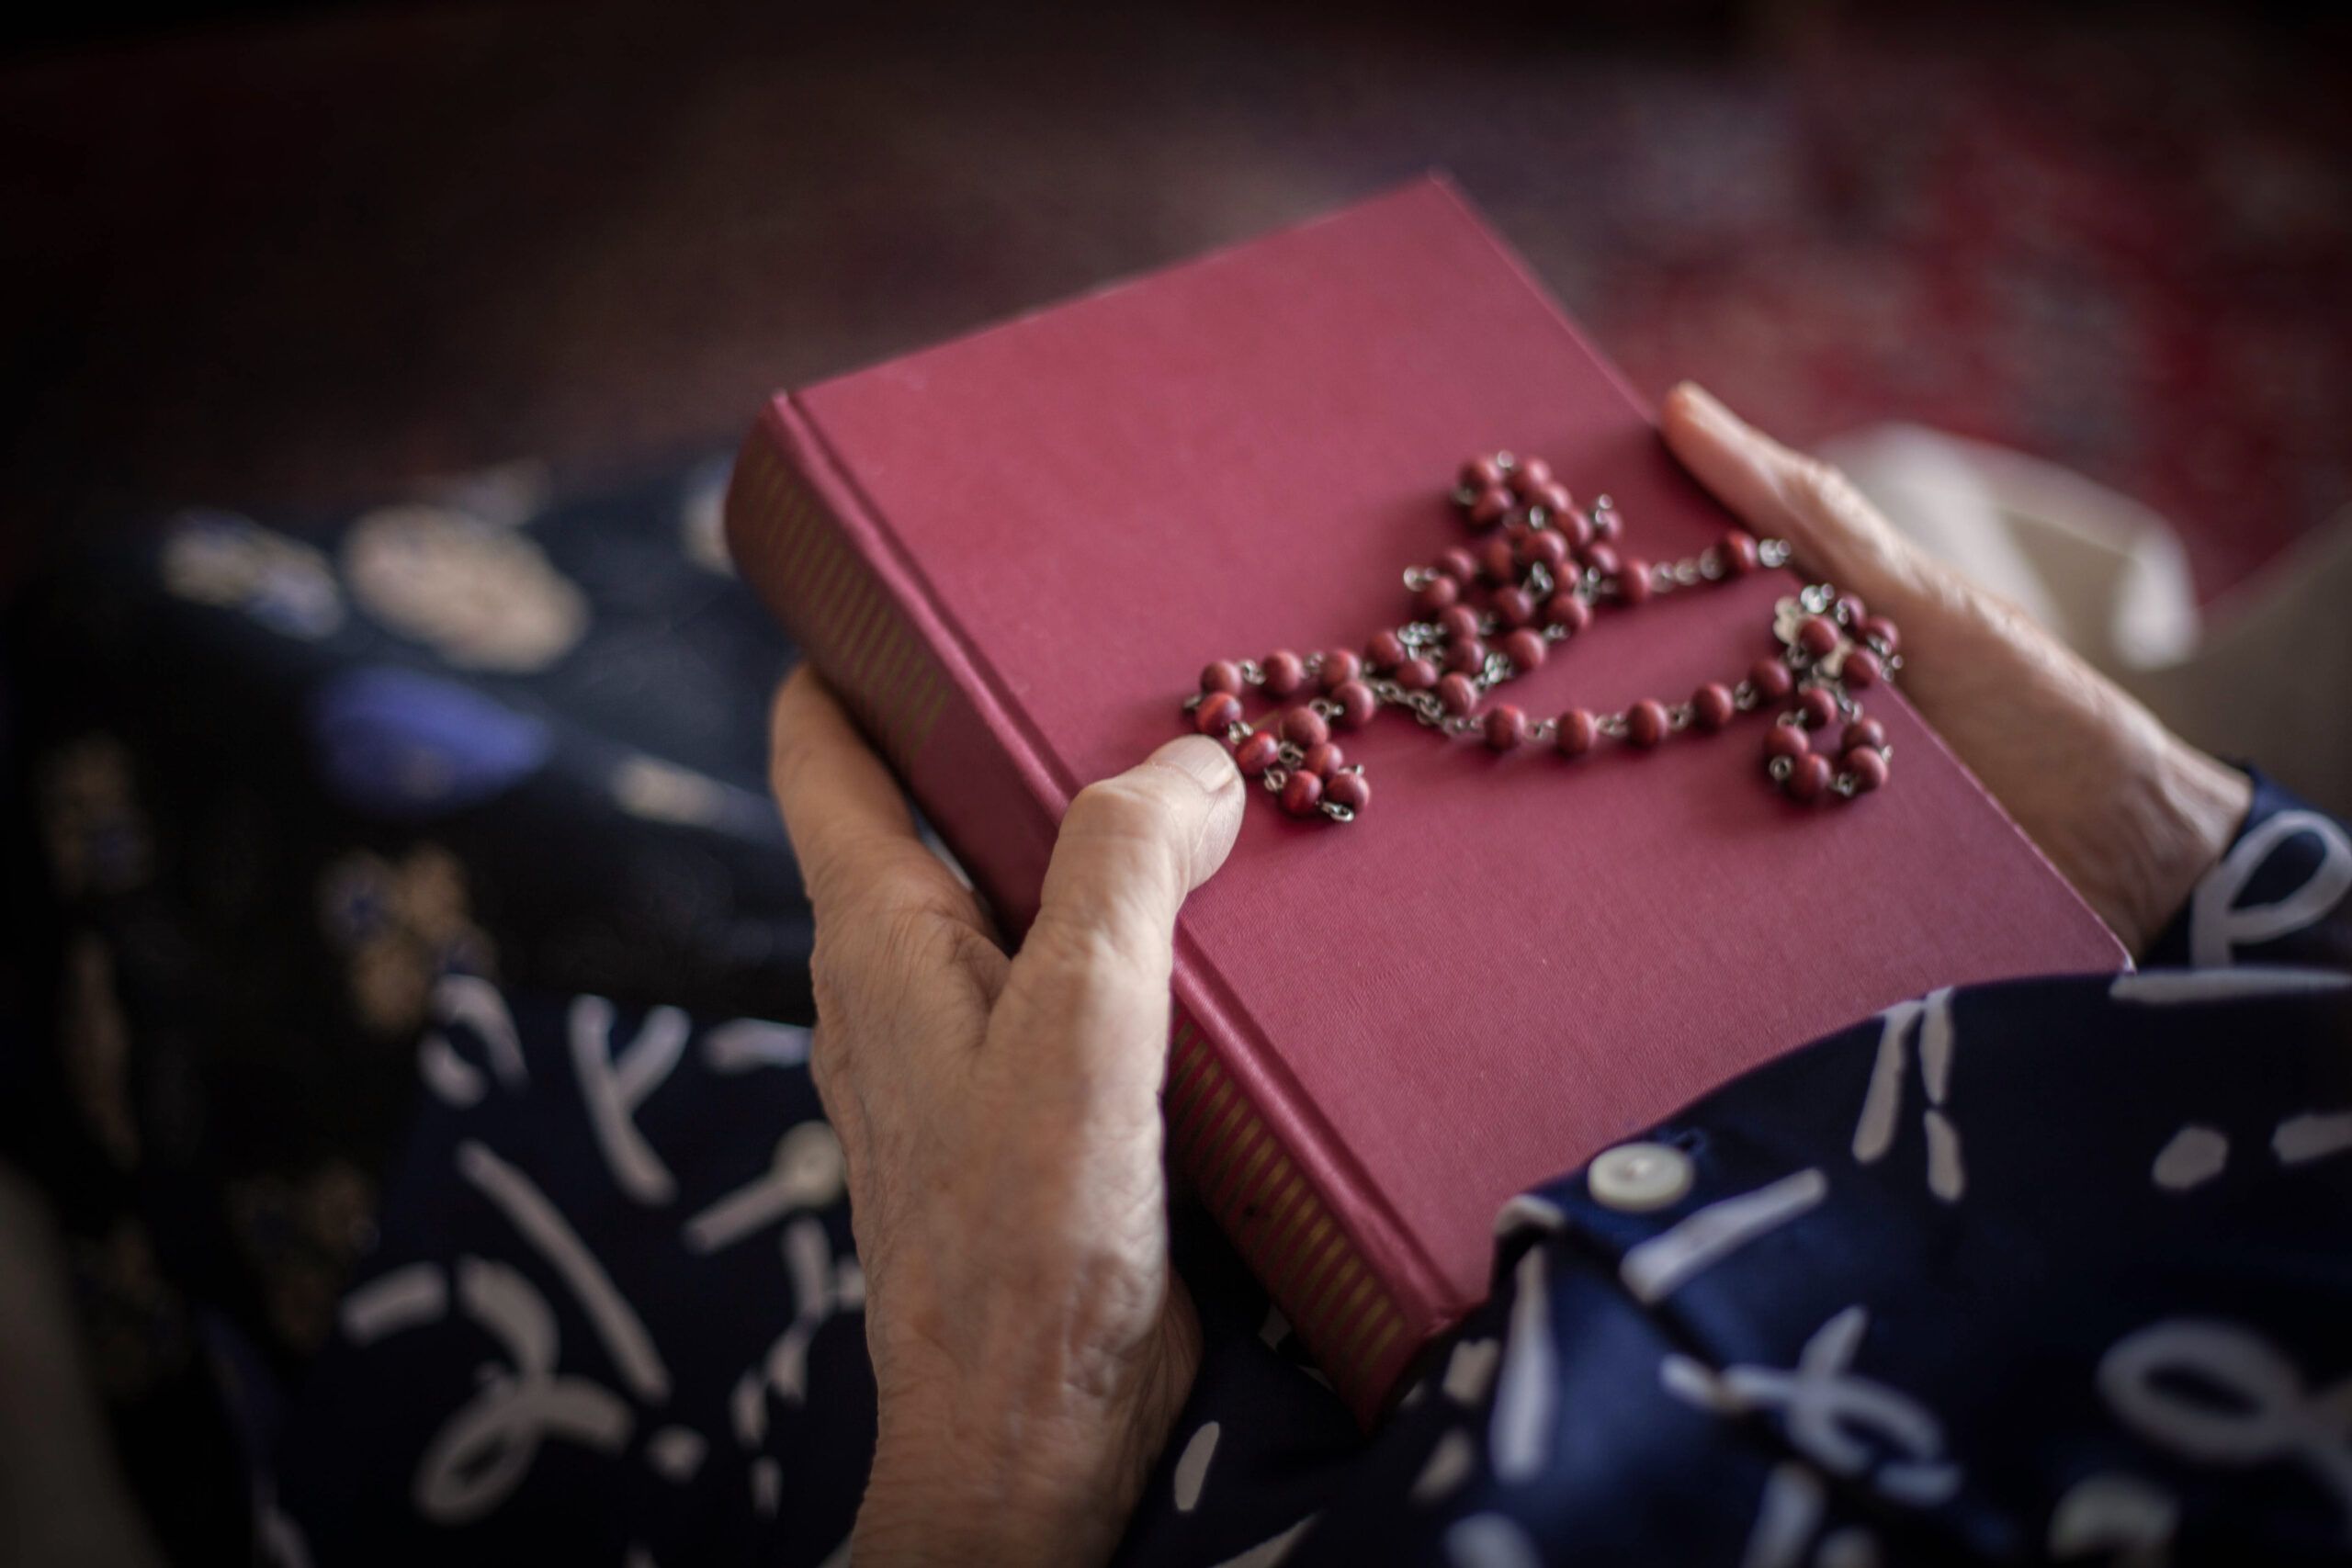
{"x":302,"y":257}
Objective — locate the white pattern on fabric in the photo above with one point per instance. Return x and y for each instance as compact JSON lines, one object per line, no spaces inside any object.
{"x":487,"y":1445}
{"x":543,"y":1225}
{"x":1450,"y":1463}
{"x":1827,"y":1410}
{"x":1490,"y":1541}
{"x":2218,"y":925}
{"x":1528,"y":1212}
{"x":741,"y":1044}
{"x":478,"y":1006}
{"x":405,"y":1298}
{"x":1193,"y":1467}
{"x":1518,"y":1437}
{"x":1470,"y":1370}
{"x":2264,"y":1414}
{"x":2129,"y":1519}
{"x":822,"y":1286}
{"x":2193,"y":1157}
{"x":2315,"y":1134}
{"x":1787,"y":1514}
{"x":1658,"y":1267}
{"x":2174,"y":987}
{"x":613,"y":1084}
{"x":1931,"y":1018}
{"x":805,"y":1173}
{"x":1271,"y":1551}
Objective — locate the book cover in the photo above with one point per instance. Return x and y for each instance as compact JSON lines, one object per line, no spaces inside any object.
{"x":1014,"y":554}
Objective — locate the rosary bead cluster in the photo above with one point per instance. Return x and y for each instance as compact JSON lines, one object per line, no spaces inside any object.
{"x":1536,"y":571}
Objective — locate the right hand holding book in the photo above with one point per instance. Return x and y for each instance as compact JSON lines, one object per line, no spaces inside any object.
{"x":2127,"y":812}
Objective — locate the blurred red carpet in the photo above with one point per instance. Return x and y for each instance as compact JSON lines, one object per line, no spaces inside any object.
{"x":305,"y":260}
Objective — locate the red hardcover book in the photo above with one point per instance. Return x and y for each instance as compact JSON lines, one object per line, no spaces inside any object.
{"x":1014,"y":554}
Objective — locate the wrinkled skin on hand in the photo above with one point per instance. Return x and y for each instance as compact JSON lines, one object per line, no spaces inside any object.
{"x":1001,"y":1122}
{"x":2127,"y":812}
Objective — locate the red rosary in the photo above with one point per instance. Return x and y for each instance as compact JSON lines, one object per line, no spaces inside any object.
{"x":1541,"y":567}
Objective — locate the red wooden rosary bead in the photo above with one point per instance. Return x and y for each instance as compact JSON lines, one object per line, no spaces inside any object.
{"x":1574,"y":732}
{"x":1544,"y":547}
{"x":1634,"y":583}
{"x":1218,"y":711}
{"x":1711,"y":705}
{"x":1303,"y":795}
{"x":1808,"y":776}
{"x":1306,"y":728}
{"x":1479,"y":621}
{"x":1285,"y":672}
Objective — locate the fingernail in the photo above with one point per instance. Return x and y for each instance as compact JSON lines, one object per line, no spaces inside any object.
{"x":1708,"y":409}
{"x":1207,"y":763}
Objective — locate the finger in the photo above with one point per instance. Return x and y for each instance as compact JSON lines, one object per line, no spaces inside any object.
{"x":1833,"y":531}
{"x":1131,"y":848}
{"x":849,"y":826}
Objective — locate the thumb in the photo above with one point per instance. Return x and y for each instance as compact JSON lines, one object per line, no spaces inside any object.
{"x":1131,"y":848}
{"x":1833,"y":530}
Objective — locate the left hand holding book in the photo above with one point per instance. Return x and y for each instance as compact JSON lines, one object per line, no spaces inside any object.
{"x":1001,"y":1122}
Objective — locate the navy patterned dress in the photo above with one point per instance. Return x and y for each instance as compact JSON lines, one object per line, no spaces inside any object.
{"x":414,"y":1047}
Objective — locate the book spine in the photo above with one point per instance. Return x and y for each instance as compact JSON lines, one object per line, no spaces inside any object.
{"x":800,"y":534}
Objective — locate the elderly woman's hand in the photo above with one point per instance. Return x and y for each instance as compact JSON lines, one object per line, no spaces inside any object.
{"x":1001,"y":1120}
{"x":2129,"y":812}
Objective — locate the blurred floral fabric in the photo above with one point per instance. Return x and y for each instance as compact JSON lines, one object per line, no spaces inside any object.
{"x":275,"y":780}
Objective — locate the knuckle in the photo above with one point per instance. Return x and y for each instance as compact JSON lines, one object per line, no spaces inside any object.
{"x":1129,"y":807}
{"x":1823,"y":486}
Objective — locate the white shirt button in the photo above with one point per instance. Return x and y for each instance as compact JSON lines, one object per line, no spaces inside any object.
{"x":1636,"y":1177}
